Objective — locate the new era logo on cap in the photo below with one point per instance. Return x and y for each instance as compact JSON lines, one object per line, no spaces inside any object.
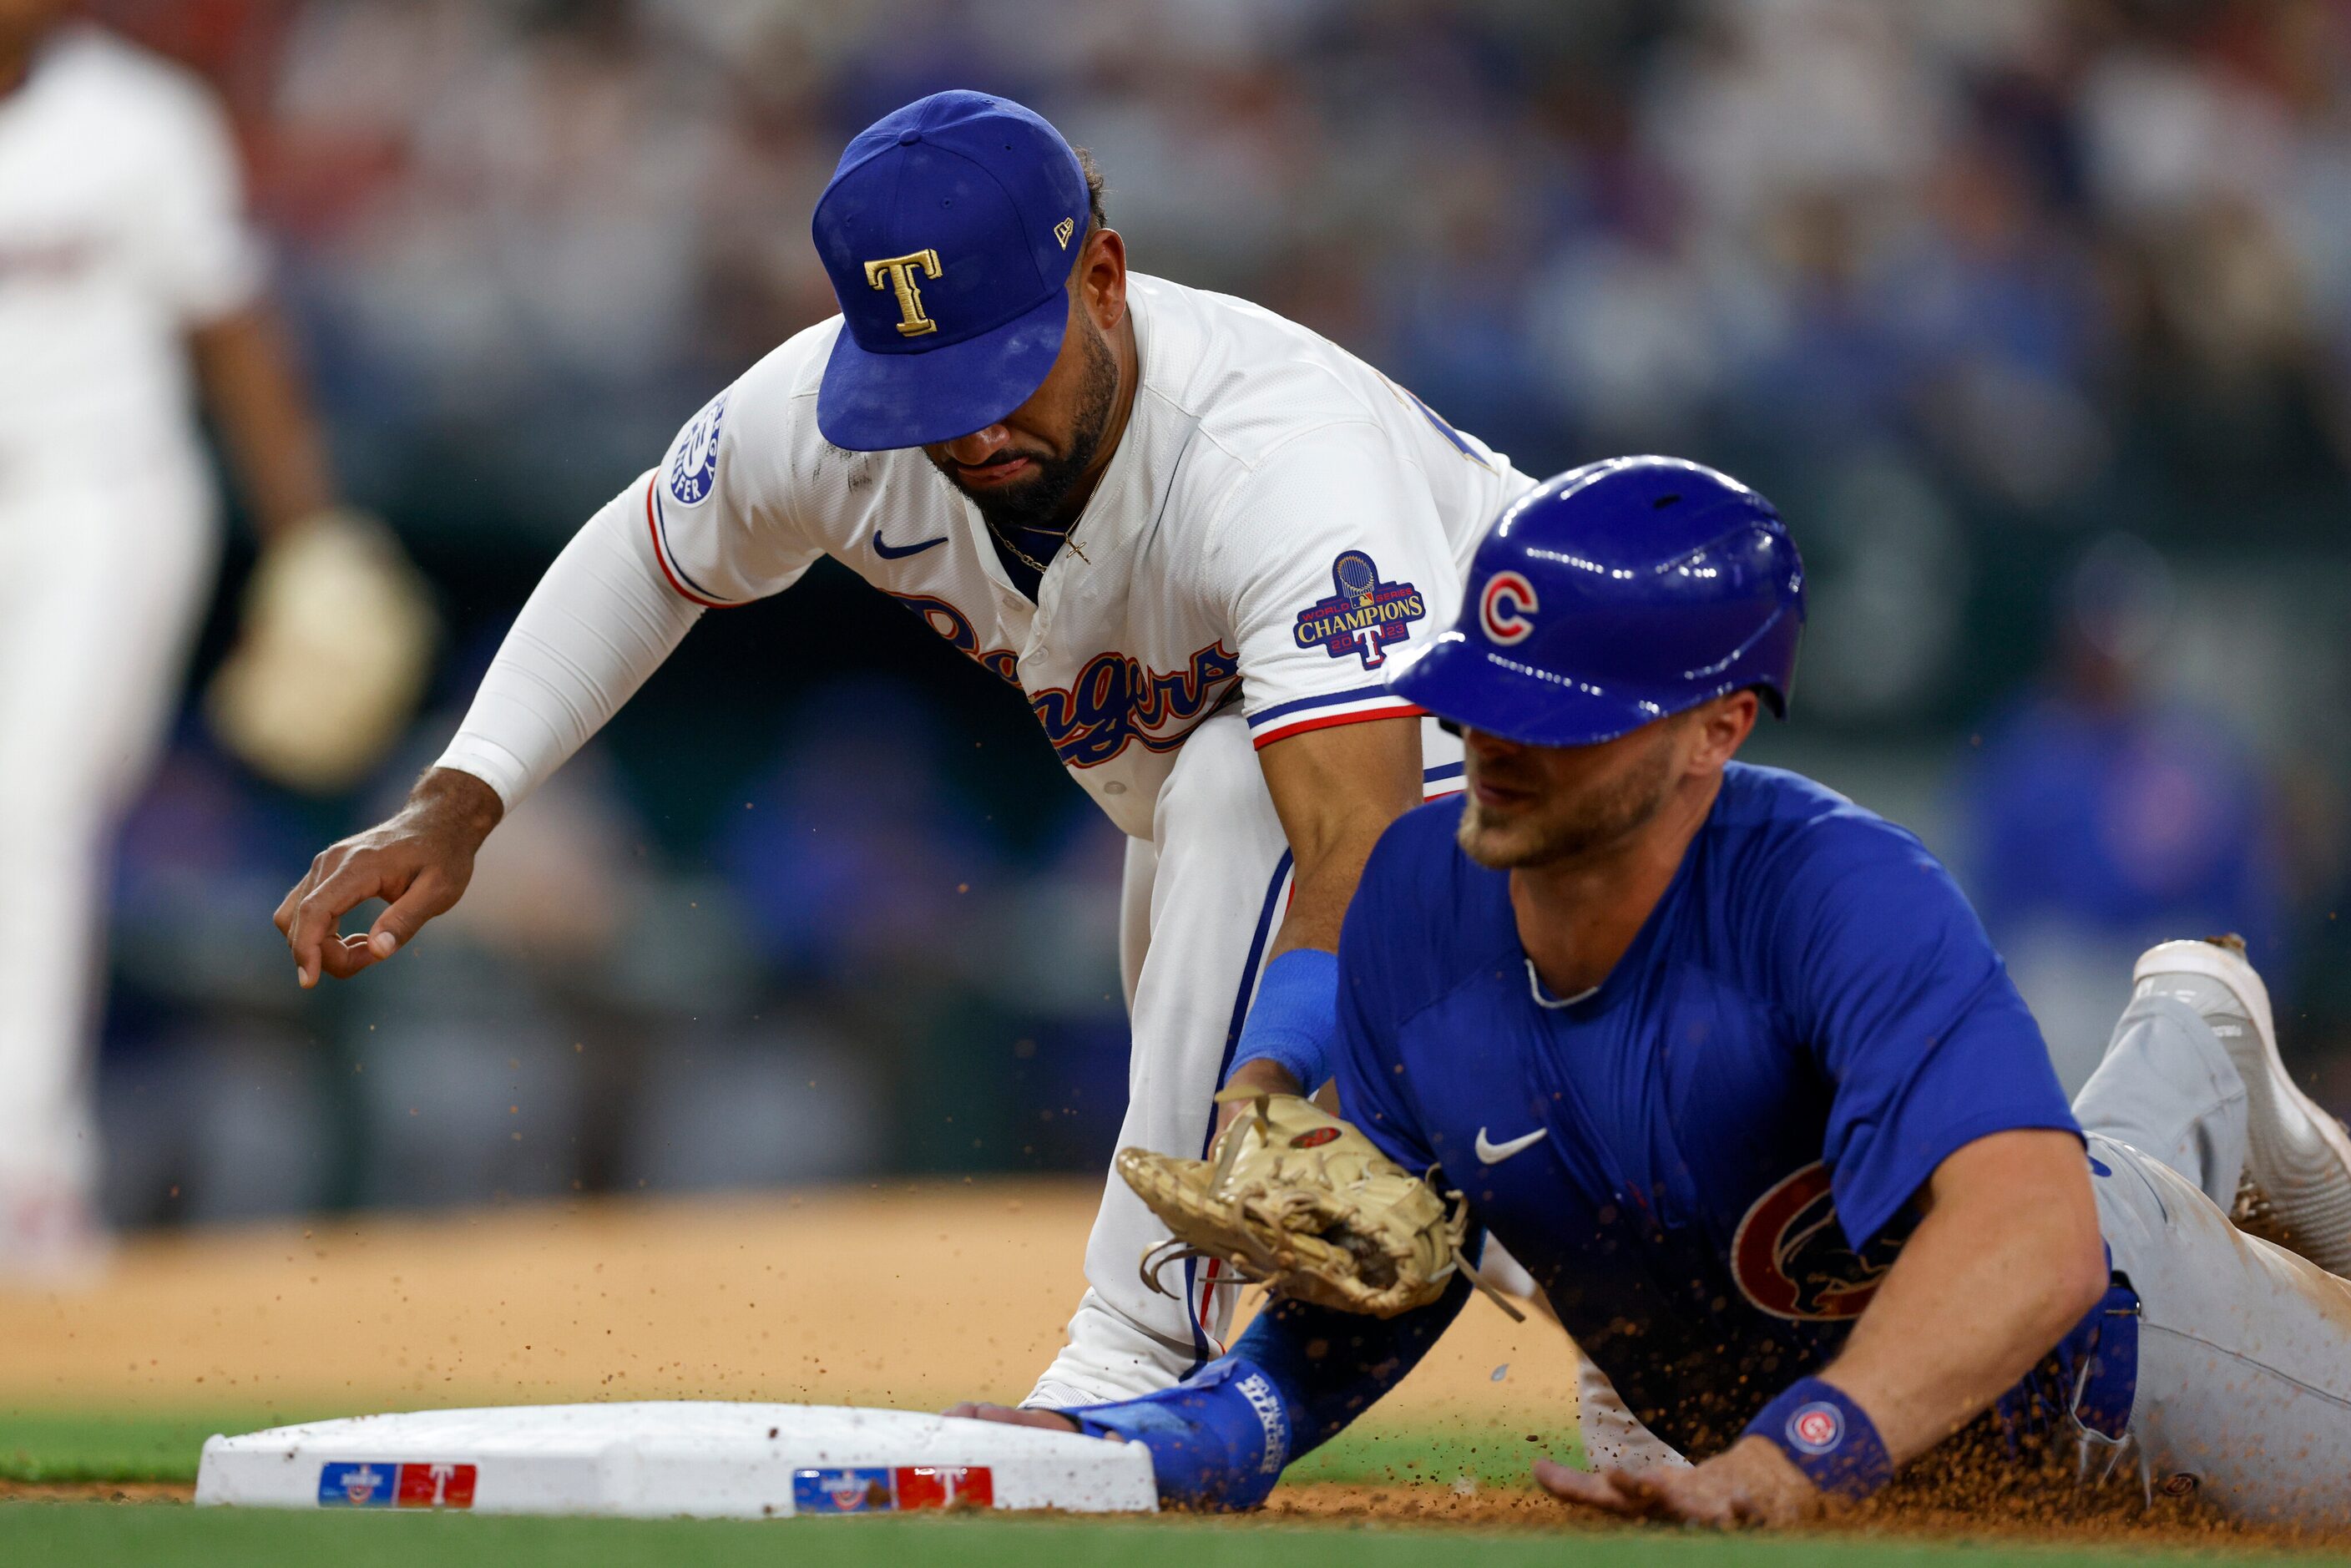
{"x":947,"y":231}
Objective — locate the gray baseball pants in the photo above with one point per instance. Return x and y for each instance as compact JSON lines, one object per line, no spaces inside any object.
{"x":2244,"y":1363}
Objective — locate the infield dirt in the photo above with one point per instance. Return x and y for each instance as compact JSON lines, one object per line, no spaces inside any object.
{"x":911,"y":1295}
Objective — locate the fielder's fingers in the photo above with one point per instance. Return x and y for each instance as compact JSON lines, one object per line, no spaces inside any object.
{"x":1581,"y":1487}
{"x":427,"y":896}
{"x":315,"y":917}
{"x":283,"y":915}
{"x":1051,"y":1420}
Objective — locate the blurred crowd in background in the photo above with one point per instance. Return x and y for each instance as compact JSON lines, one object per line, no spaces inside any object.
{"x":2034,"y":315}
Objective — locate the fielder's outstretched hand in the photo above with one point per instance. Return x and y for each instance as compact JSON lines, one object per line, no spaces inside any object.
{"x":1005,"y":1414}
{"x":418,"y":862}
{"x":1750,"y":1483}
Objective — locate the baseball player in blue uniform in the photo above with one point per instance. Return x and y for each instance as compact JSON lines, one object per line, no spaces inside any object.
{"x":1729,"y":1066}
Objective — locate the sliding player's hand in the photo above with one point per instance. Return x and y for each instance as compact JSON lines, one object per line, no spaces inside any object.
{"x":1750,"y":1483}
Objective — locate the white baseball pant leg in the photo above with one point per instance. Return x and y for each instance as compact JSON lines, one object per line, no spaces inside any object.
{"x":100,"y":585}
{"x":2244,"y":1359}
{"x":1201,"y":903}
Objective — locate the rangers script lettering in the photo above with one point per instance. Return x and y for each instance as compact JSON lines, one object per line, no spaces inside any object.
{"x":1115,"y":700}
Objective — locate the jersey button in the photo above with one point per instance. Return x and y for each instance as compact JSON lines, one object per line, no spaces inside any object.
{"x":1113,"y":787}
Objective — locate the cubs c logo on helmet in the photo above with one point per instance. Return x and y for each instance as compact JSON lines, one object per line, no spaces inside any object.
{"x":1506,"y":609}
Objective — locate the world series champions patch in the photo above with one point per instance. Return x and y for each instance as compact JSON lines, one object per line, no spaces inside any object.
{"x":1362,"y":615}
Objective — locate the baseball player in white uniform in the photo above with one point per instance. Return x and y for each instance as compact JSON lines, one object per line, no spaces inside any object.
{"x":128,"y":274}
{"x":1191,"y":533}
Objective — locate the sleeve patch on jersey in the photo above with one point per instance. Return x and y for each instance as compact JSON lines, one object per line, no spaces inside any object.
{"x":693,"y":471}
{"x":685,"y":586}
{"x":1362,"y":615}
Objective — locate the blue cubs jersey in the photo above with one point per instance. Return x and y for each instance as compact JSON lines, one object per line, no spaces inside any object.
{"x":1708,"y":1162}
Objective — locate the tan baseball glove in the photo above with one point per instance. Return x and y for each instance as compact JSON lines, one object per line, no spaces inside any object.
{"x":1303,"y":1203}
{"x":332,"y":656}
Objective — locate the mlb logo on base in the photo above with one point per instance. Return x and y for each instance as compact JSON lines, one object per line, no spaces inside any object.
{"x":357,"y":1486}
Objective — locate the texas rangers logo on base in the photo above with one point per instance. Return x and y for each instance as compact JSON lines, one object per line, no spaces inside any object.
{"x":1364,"y":615}
{"x":693,"y":460}
{"x":1506,"y":607}
{"x":1792,"y":1258}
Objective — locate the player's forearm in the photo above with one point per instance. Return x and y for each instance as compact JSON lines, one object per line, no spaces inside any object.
{"x":2006,"y":1262}
{"x":1322,"y":888}
{"x":1337,"y":791}
{"x":600,"y":622}
{"x":257,"y":401}
{"x":1293,"y":1024}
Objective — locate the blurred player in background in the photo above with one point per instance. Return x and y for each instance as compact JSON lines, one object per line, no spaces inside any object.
{"x":2106,"y":811}
{"x":129,"y":278}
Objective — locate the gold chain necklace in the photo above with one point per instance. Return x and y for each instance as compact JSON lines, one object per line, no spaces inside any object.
{"x":1030,"y":561}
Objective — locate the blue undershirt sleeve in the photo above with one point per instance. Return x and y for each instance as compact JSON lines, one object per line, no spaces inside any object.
{"x":1295,"y":1016}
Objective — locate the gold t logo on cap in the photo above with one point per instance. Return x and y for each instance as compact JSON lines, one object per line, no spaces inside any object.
{"x":900,"y":272}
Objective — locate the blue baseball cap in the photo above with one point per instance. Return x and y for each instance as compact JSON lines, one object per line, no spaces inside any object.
{"x":948,"y":230}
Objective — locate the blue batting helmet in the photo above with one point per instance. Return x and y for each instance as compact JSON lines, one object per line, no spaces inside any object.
{"x":1615,"y":594}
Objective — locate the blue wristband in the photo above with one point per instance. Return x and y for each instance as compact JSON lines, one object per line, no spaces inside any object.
{"x":1828,"y":1437}
{"x":1295,"y":1018}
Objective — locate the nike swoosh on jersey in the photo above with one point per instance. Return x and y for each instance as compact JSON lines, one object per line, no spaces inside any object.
{"x":1495,"y":1154}
{"x":889,"y":551}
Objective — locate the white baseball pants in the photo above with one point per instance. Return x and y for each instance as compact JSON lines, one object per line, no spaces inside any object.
{"x":1202,"y":901}
{"x":100,"y":584}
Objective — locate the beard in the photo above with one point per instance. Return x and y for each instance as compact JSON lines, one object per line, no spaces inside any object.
{"x":1035,"y":502}
{"x":1548,"y":830}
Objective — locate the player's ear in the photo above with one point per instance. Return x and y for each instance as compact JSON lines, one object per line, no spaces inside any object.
{"x":1100,"y":278}
{"x":1723,"y":726}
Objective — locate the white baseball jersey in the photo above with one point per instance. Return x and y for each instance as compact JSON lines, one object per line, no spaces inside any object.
{"x":121,"y":226}
{"x":1279,"y":522}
